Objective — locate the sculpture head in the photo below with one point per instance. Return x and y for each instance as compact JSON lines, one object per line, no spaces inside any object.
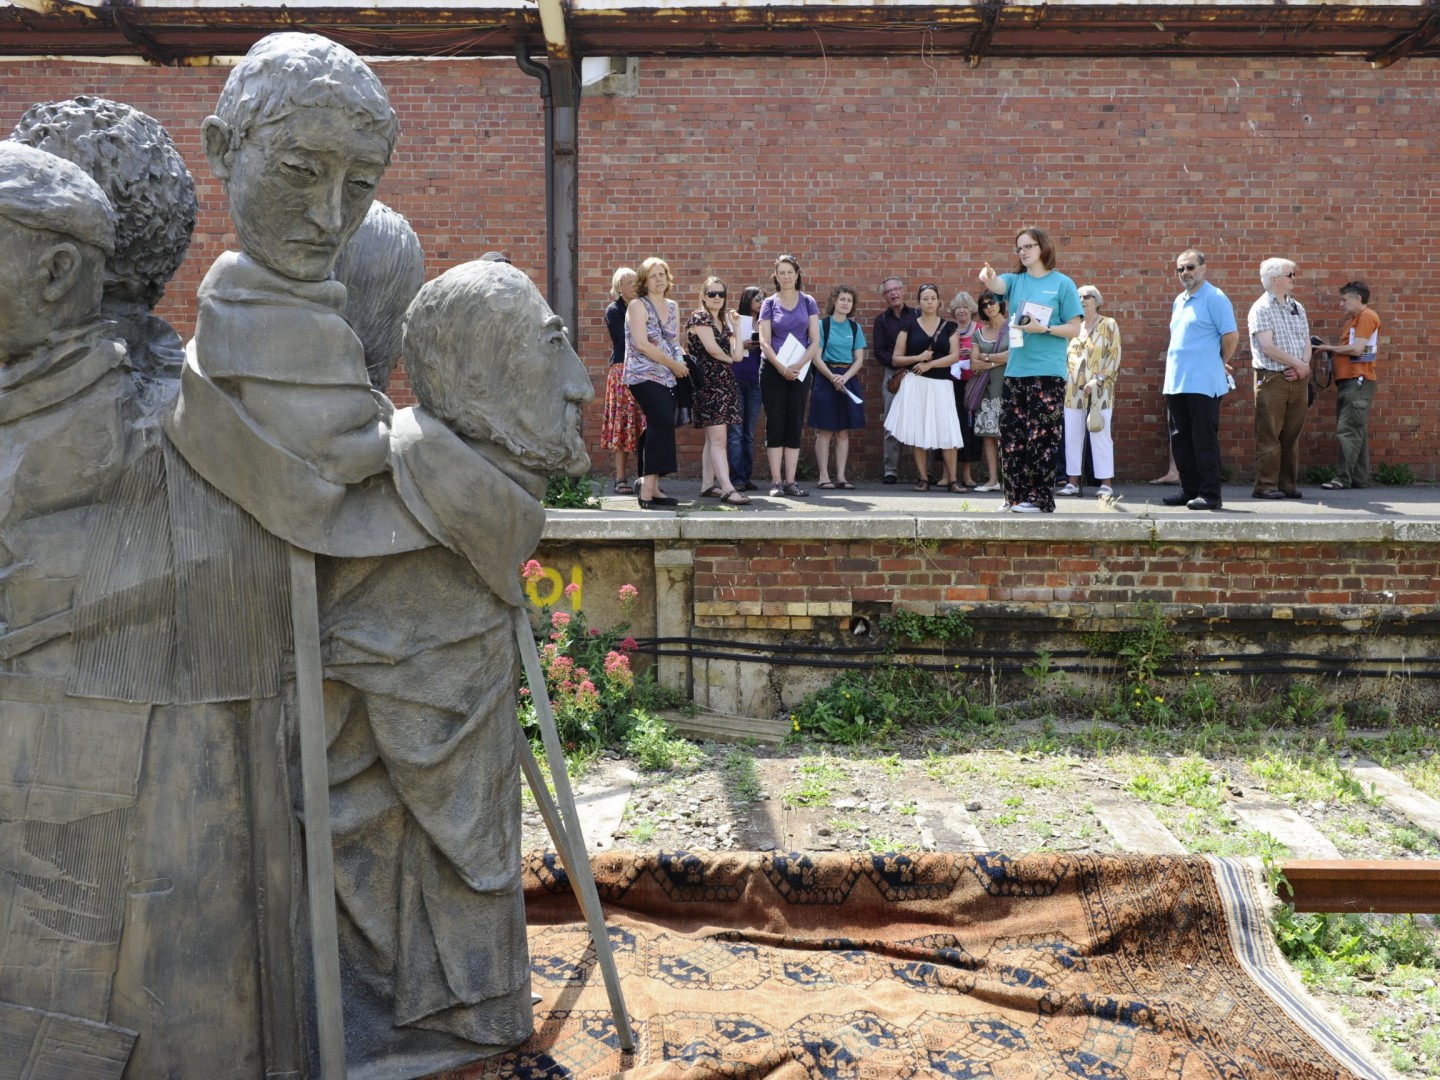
{"x":56,"y":231}
{"x":301,"y":135}
{"x":382,"y":268}
{"x":486,"y":355}
{"x":136,"y":164}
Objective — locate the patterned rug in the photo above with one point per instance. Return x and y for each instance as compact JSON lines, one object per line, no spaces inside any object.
{"x":788,"y":966}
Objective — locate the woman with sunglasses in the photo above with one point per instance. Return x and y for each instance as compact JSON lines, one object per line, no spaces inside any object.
{"x":712,"y":343}
{"x":989,"y":349}
{"x":923,"y":415}
{"x":785,"y":386}
{"x":1045,"y":314}
{"x":1094,"y":358}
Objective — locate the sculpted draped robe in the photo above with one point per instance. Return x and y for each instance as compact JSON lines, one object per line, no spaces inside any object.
{"x":421,"y":675}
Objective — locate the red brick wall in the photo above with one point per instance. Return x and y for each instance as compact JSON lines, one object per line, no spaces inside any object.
{"x":866,"y":167}
{"x":787,"y":585}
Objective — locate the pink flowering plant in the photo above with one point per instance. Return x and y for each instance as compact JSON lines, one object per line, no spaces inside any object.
{"x":594,"y":691}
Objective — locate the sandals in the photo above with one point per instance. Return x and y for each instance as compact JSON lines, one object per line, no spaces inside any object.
{"x":795,"y":491}
{"x":712,"y":492}
{"x":845,"y":485}
{"x":622,"y":487}
{"x":827,"y":485}
{"x":733,"y":497}
{"x":921,"y":485}
{"x":1333,"y":485}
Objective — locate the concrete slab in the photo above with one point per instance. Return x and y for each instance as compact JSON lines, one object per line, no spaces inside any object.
{"x":960,"y":824}
{"x":1285,"y":825}
{"x":718,"y":727}
{"x":1399,"y":795}
{"x":1136,"y":828}
{"x":600,"y":800}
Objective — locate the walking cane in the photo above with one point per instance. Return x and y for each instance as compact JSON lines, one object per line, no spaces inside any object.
{"x":564,"y":825}
{"x":315,"y":776}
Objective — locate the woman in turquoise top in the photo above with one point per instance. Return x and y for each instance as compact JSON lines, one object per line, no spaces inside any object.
{"x":1045,"y":312}
{"x":837,"y":399}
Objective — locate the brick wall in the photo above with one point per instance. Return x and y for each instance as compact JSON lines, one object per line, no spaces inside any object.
{"x":863,"y":167}
{"x":792,"y":585}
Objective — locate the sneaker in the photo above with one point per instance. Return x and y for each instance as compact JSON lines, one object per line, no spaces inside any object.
{"x":1068,"y":489}
{"x":795,"y":491}
{"x":1027,"y":508}
{"x":890,"y":478}
{"x":1004,"y":508}
{"x":777,"y":491}
{"x":1104,"y":491}
{"x":1200,"y":502}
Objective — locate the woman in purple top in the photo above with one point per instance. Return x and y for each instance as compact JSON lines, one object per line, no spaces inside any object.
{"x":788,"y":313}
{"x":741,"y":448}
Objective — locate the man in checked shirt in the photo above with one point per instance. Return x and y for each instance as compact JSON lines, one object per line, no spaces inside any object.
{"x":1280,"y":351}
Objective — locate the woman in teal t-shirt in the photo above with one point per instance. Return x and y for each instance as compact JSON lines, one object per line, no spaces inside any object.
{"x":1045,"y":313}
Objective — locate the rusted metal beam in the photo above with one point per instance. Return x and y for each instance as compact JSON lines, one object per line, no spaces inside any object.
{"x":1346,"y":885}
{"x":980,"y":43}
{"x":138,"y":38}
{"x":1418,"y":38}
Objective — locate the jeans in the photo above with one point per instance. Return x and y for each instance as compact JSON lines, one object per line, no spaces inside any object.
{"x":740,"y":439}
{"x":892,"y":444}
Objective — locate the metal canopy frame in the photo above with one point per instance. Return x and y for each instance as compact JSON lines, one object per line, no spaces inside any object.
{"x":190,"y":31}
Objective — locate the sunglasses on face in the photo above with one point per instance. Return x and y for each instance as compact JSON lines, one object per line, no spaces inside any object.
{"x":1185,"y":268}
{"x":714,"y":295}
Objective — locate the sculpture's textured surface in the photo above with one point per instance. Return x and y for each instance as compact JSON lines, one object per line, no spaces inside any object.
{"x":382,"y":268}
{"x":136,"y":164}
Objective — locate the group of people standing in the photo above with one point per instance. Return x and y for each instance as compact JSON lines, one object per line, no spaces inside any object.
{"x":1018,"y":379}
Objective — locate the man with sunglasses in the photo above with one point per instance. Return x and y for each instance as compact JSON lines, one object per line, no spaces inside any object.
{"x":1280,"y":353}
{"x":1203,"y":337}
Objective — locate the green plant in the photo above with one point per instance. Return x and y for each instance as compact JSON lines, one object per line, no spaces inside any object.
{"x":654,"y":746}
{"x":1394,"y":474}
{"x":946,"y":630}
{"x":1319,"y":474}
{"x":818,"y":777}
{"x":741,"y":775}
{"x":1040,"y":671}
{"x":570,"y":493}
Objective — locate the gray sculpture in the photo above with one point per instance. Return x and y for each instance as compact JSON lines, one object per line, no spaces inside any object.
{"x":382,"y":268}
{"x":136,"y":164}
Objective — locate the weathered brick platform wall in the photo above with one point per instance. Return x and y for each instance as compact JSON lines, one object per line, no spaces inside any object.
{"x":867,"y":166}
{"x":1358,"y":591}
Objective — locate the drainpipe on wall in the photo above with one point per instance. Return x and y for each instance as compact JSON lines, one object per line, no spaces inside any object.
{"x":560,"y":98}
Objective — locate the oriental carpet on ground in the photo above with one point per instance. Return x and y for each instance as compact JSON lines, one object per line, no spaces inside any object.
{"x":847,"y":965}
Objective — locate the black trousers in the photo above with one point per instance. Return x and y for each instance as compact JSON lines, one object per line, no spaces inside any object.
{"x":656,"y":450}
{"x":784,"y":401}
{"x":1195,"y":442}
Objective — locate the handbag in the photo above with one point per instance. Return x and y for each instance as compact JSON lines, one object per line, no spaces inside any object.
{"x":893,"y":383}
{"x":1095,"y":419}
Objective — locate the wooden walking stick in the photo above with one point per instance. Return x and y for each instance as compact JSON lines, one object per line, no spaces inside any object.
{"x":564,"y":825}
{"x":315,"y":777}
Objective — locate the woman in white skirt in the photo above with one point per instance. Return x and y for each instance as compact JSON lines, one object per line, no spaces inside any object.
{"x":924,"y":414}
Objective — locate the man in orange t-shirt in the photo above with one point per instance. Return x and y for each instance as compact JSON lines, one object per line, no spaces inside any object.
{"x":1355,"y":380}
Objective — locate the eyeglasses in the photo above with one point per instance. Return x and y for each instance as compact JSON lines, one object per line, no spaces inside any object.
{"x":1022,"y":248}
{"x":1185,"y":268}
{"x":714,"y":295}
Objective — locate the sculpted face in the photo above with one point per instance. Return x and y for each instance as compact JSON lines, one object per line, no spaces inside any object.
{"x":20,"y":329}
{"x":300,"y":186}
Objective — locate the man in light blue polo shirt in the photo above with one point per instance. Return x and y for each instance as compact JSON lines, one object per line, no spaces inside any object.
{"x":1203,"y":337}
